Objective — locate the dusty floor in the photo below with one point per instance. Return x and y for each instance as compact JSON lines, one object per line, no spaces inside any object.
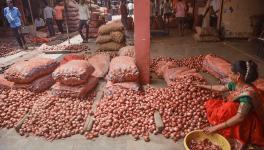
{"x":172,"y":46}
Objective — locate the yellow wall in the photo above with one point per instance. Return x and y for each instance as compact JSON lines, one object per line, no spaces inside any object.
{"x":237,"y":23}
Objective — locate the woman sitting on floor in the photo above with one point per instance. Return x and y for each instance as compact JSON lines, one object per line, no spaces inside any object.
{"x":242,"y":116}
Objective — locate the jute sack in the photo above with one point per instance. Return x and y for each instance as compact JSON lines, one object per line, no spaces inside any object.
{"x":110,"y":46}
{"x":101,"y":39}
{"x":110,"y":27}
{"x":117,"y":36}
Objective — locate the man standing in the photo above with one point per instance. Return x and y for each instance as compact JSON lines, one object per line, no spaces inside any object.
{"x":59,"y":9}
{"x":180,"y":10}
{"x":13,"y":15}
{"x":48,"y":16}
{"x":84,"y":15}
{"x":39,"y":23}
{"x":124,"y":13}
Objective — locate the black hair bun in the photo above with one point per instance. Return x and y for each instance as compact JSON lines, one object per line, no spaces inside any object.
{"x":252,"y":73}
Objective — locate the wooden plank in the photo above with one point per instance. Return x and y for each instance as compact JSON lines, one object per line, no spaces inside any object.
{"x":21,"y":121}
{"x":90,"y":119}
{"x":62,"y":52}
{"x":158,"y":122}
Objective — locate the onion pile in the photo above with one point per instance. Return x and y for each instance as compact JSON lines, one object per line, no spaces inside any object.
{"x":7,"y":48}
{"x":122,"y":113}
{"x":129,"y":112}
{"x":181,"y":106}
{"x":203,"y":145}
{"x":55,"y":118}
{"x":194,"y":62}
{"x":14,"y":104}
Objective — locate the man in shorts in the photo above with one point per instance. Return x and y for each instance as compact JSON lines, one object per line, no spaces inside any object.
{"x":180,"y":10}
{"x":84,"y":15}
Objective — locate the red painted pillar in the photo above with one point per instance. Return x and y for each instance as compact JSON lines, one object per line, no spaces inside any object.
{"x":142,"y":38}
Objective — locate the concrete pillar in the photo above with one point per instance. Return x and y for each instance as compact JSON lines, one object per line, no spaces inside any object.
{"x":142,"y":38}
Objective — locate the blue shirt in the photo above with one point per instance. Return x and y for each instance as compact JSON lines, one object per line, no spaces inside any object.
{"x":13,"y":16}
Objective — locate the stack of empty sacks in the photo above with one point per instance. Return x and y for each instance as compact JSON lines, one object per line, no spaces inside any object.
{"x":170,"y":72}
{"x":206,"y":34}
{"x":73,"y":15}
{"x":123,"y":73}
{"x":111,"y":36}
{"x":74,"y":79}
{"x":218,"y":67}
{"x":95,"y":22}
{"x":33,"y":75}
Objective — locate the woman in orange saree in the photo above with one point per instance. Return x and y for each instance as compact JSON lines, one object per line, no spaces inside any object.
{"x":241,"y":116}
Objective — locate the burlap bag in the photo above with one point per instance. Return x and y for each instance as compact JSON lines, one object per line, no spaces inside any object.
{"x":110,"y":46}
{"x":110,"y":27}
{"x":117,"y":36}
{"x":101,"y":39}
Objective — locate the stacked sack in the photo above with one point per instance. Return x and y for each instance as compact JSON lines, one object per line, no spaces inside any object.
{"x":73,"y":15}
{"x":34,"y":74}
{"x":206,"y":35}
{"x":123,"y":73}
{"x":218,"y":67}
{"x":111,"y":36}
{"x":74,"y":79}
{"x":95,"y":22}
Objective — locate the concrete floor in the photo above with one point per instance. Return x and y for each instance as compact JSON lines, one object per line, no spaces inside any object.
{"x":173,"y":46}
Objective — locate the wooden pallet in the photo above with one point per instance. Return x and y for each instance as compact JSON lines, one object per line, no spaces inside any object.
{"x":62,"y":51}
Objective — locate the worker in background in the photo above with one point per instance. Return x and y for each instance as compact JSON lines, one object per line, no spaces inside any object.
{"x":48,"y":16}
{"x":124,"y":13}
{"x":39,"y":23}
{"x":84,"y":16}
{"x":130,"y":7}
{"x":59,"y":11}
{"x":167,"y":11}
{"x":241,"y":115}
{"x":152,"y":11}
{"x":210,"y":16}
{"x":13,"y":17}
{"x":189,"y":15}
{"x":162,"y":9}
{"x":180,"y":9}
